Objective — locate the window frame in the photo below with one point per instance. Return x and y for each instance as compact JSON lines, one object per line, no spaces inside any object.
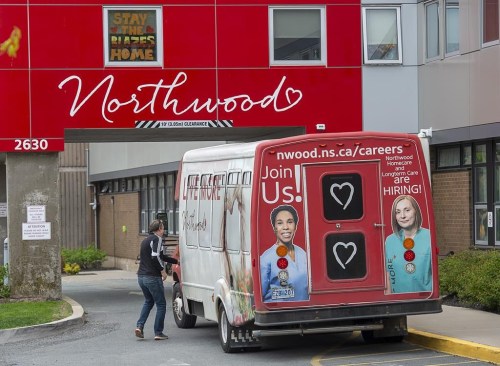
{"x":481,"y":15}
{"x":451,"y":4}
{"x":483,"y":160}
{"x":366,"y":61}
{"x":158,"y":199}
{"x":426,"y":49}
{"x":158,"y":37}
{"x":440,"y":153}
{"x":323,"y":59}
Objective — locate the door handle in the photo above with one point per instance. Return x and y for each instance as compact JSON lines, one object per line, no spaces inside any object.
{"x":378,"y":225}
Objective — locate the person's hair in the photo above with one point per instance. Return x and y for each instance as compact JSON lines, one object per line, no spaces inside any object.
{"x":418,"y":214}
{"x":155,"y":226}
{"x":288,"y":208}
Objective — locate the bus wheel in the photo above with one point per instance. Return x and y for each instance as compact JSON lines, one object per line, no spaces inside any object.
{"x":182,"y":319}
{"x":225,"y":329}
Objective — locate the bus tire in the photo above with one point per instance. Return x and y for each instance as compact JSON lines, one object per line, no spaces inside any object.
{"x":182,"y":319}
{"x":225,"y":329}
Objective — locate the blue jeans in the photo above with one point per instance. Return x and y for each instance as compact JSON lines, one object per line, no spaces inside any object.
{"x":152,"y":288}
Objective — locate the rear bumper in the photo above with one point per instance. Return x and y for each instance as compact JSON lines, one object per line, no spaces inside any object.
{"x":346,"y":313}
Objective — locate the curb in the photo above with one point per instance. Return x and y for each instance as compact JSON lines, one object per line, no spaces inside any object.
{"x":55,"y":327}
{"x":454,"y":346}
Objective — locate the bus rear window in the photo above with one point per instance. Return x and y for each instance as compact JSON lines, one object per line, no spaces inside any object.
{"x":345,"y":256}
{"x":342,"y":196}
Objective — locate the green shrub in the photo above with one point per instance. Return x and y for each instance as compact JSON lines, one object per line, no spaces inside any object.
{"x":88,"y":258}
{"x":473,"y":277}
{"x":4,"y":289}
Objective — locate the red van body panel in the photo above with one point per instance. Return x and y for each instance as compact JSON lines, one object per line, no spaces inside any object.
{"x":343,"y":187}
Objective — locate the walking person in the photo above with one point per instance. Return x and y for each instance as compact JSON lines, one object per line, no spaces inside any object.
{"x":151,"y":275}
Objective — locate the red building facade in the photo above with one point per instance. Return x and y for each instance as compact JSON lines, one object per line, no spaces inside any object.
{"x":81,"y":65}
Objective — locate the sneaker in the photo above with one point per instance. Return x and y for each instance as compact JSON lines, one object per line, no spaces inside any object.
{"x":139,"y":332}
{"x":160,"y":337}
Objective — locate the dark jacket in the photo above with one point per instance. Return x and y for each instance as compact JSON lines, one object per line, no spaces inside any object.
{"x":152,"y":260}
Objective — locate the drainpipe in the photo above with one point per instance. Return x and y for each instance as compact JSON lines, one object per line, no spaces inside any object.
{"x":94,"y":203}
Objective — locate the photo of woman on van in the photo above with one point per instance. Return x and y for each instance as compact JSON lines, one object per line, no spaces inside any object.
{"x":283,"y":266}
{"x":408,"y":249}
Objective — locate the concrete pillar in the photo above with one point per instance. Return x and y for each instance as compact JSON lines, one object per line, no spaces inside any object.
{"x":35,"y":260}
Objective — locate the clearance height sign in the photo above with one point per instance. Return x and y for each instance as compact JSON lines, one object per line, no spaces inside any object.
{"x":155,"y":63}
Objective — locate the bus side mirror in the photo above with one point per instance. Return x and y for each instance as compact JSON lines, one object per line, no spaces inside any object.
{"x":163,"y":217}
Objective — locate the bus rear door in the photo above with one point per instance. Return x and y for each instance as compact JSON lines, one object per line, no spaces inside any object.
{"x":344,"y":231}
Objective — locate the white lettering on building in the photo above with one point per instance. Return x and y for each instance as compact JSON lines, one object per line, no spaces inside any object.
{"x":281,"y":99}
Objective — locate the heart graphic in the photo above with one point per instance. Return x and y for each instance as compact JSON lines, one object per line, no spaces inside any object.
{"x":340,"y":186}
{"x":350,"y":244}
{"x":290,"y":92}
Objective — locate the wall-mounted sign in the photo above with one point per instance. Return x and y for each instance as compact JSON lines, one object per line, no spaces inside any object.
{"x":133,"y":36}
{"x":36,"y":231}
{"x":3,"y":209}
{"x":36,"y":213}
{"x":184,"y":124}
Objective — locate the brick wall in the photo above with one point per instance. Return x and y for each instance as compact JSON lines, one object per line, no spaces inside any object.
{"x":451,"y":191}
{"x":119,"y":228}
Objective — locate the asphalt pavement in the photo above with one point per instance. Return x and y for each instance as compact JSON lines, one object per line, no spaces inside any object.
{"x":459,"y":331}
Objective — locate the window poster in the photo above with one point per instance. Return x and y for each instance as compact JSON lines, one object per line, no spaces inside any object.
{"x":132,"y":36}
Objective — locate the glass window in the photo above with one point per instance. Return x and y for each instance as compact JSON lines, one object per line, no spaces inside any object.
{"x":467,"y":155}
{"x":432,"y":30}
{"x":342,"y":196}
{"x":381,"y":35}
{"x":161,"y":193}
{"x":247,"y":178}
{"x":152,"y":198}
{"x":144,"y":205}
{"x":480,"y":185}
{"x":452,"y":26}
{"x":172,"y":208}
{"x":480,"y":153}
{"x":449,"y":157}
{"x":190,"y":216}
{"x":335,"y":249}
{"x":297,"y":36}
{"x":481,"y":220}
{"x":497,"y":183}
{"x":497,"y":225}
{"x":233,"y":178}
{"x":106,"y":187}
{"x":490,"y":21}
{"x":133,"y":36}
{"x":233,"y":218}
{"x":218,"y":209}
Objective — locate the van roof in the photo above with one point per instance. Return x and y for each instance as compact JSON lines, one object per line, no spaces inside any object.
{"x":222,"y":152}
{"x":247,"y":149}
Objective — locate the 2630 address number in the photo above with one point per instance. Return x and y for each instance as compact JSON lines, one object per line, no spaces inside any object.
{"x":31,"y":144}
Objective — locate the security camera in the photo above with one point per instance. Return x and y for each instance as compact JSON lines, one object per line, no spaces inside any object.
{"x":425,"y":132}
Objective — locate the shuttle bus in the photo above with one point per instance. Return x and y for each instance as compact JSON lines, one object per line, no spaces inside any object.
{"x":317,"y":233}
